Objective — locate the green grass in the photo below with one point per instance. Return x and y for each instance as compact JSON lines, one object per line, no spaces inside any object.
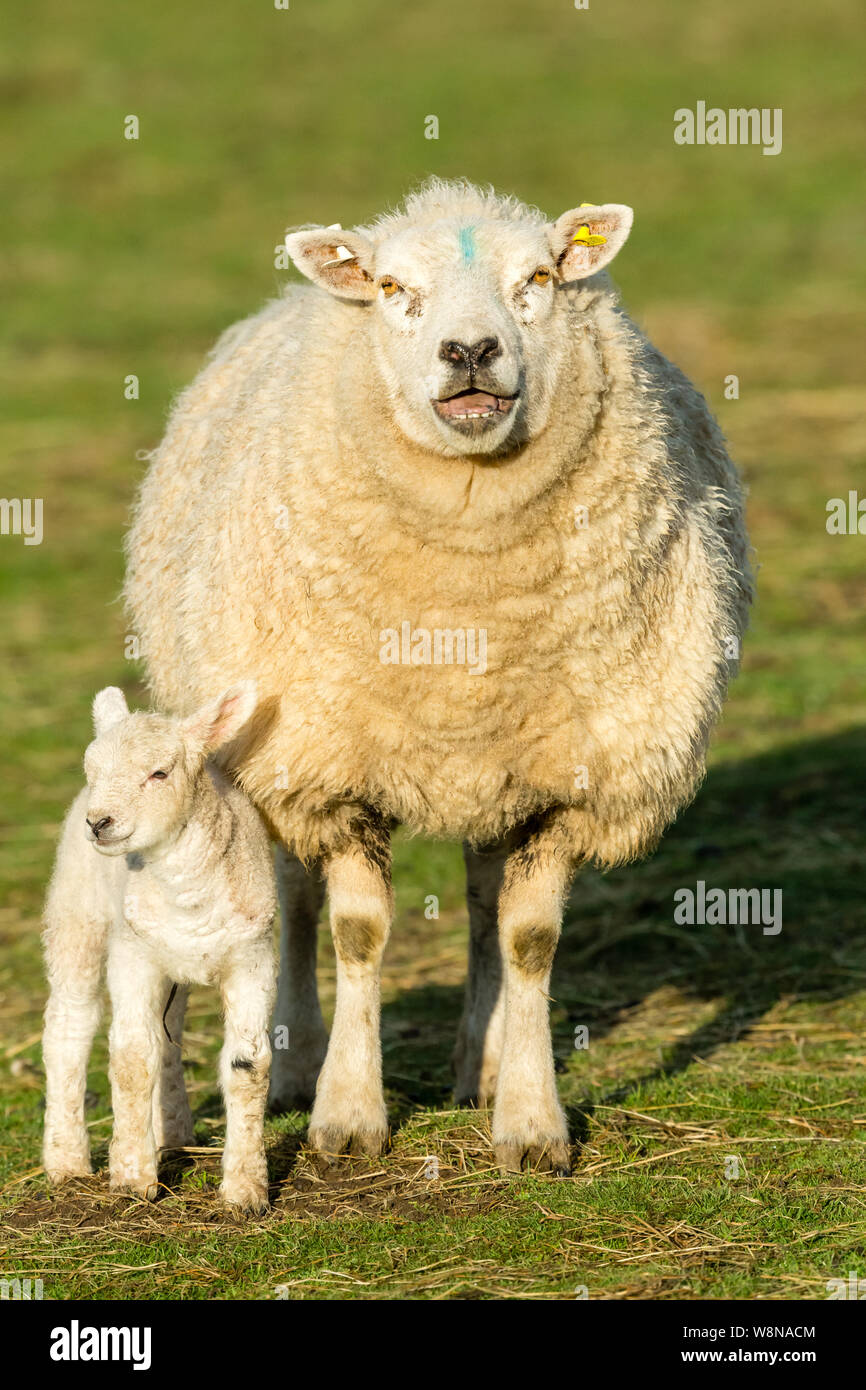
{"x":705,"y":1043}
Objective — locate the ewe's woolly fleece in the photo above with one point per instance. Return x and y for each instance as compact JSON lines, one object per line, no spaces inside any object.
{"x":285,"y":522}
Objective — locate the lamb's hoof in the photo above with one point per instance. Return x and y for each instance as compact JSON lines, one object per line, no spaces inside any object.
{"x":58,"y":1173}
{"x":539,"y":1155}
{"x":331,"y":1143}
{"x":245,"y":1195}
{"x":61,"y":1166}
{"x":148,"y":1191}
{"x":144,"y":1185}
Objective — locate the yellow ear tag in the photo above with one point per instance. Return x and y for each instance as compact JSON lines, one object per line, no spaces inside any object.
{"x":584,"y":237}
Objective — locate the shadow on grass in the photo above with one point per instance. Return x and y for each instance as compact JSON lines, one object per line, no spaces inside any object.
{"x":793,"y":819}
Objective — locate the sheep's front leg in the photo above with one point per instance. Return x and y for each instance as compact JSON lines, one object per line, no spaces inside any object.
{"x":528,"y":1122}
{"x":300,"y":1035}
{"x":349,"y":1112}
{"x":74,"y":955}
{"x":479,"y":1037}
{"x":248,"y":995}
{"x":172,"y":1117}
{"x":138,"y":991}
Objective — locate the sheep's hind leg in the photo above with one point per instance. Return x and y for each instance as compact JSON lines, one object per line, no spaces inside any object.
{"x":300,"y":1039}
{"x":529,"y":1127}
{"x":172,"y":1117}
{"x":479,"y":1037}
{"x":349,"y":1112}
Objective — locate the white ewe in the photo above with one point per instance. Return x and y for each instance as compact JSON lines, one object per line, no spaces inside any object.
{"x":177,"y":888}
{"x":482,"y":548}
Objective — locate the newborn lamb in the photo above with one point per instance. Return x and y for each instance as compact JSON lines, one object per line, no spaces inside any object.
{"x":180,"y":889}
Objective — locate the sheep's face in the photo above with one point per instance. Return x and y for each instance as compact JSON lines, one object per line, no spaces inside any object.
{"x":469,"y":324}
{"x":142,"y":769}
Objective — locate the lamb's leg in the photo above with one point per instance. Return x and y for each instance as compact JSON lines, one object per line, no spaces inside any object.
{"x":299,"y":1033}
{"x":248,"y":996}
{"x":138,"y":993}
{"x":74,"y":954}
{"x":528,"y":1122}
{"x":172,"y":1117}
{"x":479,"y":1038}
{"x":349,"y":1111}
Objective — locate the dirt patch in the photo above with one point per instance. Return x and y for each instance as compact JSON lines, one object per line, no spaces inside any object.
{"x":355,"y":1188}
{"x":404,"y":1192}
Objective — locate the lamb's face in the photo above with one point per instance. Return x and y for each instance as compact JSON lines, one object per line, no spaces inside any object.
{"x":139,"y":778}
{"x":142,"y":769}
{"x":469,"y":324}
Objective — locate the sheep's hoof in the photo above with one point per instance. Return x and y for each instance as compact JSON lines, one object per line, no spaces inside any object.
{"x":479,"y":1097}
{"x":245,"y":1195}
{"x":285,"y":1100}
{"x":539,"y":1155}
{"x":475,"y":1077}
{"x":331,"y":1143}
{"x":179,"y":1136}
{"x":294,"y":1088}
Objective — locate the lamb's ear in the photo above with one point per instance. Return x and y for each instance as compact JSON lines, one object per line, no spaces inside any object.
{"x":587,"y":238}
{"x":221,"y":719}
{"x":109,"y":708}
{"x":341,"y":262}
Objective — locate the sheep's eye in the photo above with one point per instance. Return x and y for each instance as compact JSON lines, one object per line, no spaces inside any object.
{"x":158,"y":776}
{"x":541,"y":276}
{"x":388,"y":286}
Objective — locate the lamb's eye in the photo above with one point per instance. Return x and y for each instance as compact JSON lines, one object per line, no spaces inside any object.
{"x":541,"y":276}
{"x":158,"y":776}
{"x":388,"y":286}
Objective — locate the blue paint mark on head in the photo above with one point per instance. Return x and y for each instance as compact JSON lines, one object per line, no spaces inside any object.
{"x":467,"y":244}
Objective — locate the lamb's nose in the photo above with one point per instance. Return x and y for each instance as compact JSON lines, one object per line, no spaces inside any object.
{"x":98,"y":826}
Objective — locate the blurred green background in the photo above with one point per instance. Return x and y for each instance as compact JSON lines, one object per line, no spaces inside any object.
{"x":129,"y":257}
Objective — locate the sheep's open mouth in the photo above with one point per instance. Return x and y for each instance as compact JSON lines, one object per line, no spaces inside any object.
{"x":472,"y":406}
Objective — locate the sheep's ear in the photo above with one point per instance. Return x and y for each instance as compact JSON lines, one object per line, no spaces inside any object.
{"x":219,"y":721}
{"x":341,"y":262}
{"x":109,"y":708}
{"x":587,"y":238}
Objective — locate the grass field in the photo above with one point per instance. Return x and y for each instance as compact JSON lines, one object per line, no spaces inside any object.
{"x":707,"y":1044}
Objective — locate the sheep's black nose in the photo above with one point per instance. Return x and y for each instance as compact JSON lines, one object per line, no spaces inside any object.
{"x":473,"y":354}
{"x":454,"y":352}
{"x":98,"y":826}
{"x":484,"y":348}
